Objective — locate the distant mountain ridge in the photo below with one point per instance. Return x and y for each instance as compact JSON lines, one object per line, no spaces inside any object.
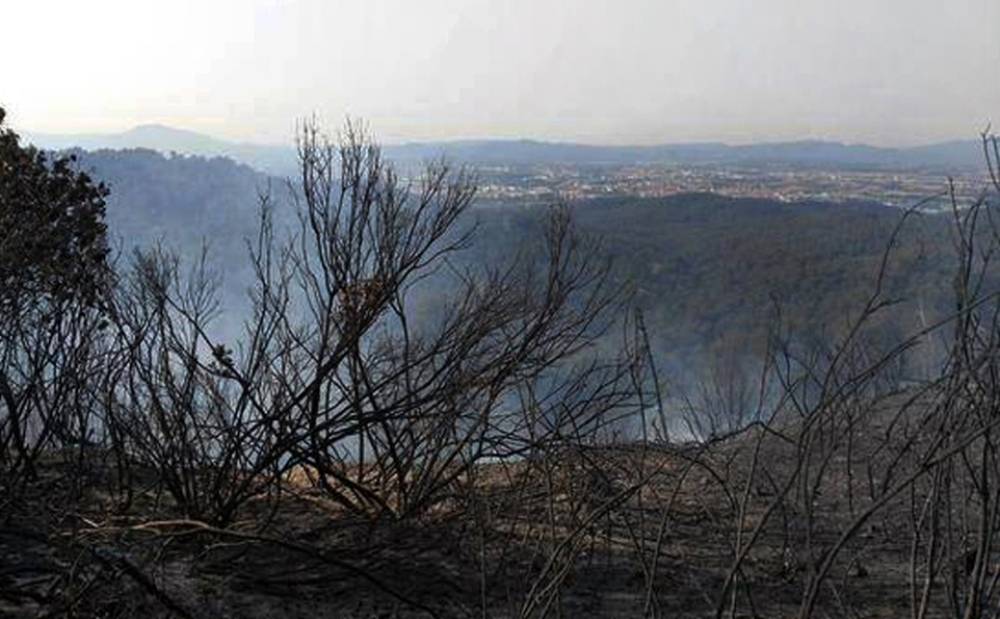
{"x":946,"y":155}
{"x":281,"y":160}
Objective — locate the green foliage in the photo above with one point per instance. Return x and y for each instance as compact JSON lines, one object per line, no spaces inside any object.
{"x":52,"y":232}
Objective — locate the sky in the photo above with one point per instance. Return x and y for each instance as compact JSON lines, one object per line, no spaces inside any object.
{"x":886,"y":72}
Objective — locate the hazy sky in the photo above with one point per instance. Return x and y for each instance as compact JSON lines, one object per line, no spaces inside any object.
{"x":609,"y":71}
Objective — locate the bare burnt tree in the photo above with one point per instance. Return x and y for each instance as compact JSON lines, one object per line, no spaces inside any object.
{"x":184,"y":406}
{"x":337,"y":381}
{"x":51,"y":352}
{"x":389,"y":411}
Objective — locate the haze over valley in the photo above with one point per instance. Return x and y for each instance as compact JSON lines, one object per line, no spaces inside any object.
{"x":506,"y":309}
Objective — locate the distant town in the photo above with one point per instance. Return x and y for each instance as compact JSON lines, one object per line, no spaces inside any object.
{"x":930,"y":189}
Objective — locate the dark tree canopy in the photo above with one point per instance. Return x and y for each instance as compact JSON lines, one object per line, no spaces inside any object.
{"x":52,"y":231}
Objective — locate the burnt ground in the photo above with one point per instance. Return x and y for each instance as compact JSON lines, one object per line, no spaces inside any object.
{"x":75,"y":553}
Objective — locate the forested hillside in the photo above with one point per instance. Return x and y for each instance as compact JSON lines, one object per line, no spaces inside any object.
{"x":188,"y":204}
{"x":182,"y":199}
{"x":714,"y":276}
